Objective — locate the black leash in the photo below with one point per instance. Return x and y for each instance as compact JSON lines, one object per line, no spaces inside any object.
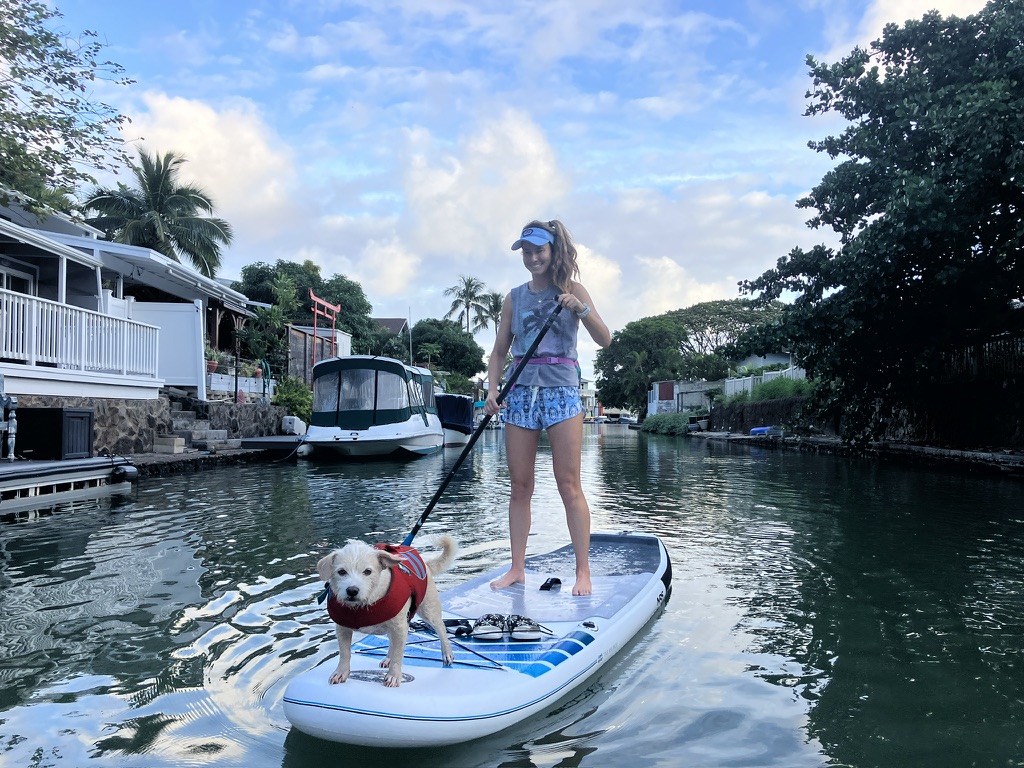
{"x":483,"y":425}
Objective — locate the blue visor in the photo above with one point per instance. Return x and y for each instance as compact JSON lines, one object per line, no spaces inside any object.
{"x":534,"y":235}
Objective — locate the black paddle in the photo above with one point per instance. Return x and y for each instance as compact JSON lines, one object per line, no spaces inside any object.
{"x":483,"y":425}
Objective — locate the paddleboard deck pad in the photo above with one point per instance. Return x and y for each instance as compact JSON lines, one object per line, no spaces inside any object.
{"x":492,"y":684}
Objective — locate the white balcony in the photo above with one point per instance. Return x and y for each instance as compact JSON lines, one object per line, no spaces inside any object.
{"x":52,"y":348}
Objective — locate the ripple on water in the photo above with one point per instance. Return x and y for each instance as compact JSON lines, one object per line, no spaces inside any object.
{"x":822,"y":611}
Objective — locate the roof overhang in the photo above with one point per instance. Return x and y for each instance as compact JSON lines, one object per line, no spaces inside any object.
{"x":37,"y":241}
{"x":151,"y":268}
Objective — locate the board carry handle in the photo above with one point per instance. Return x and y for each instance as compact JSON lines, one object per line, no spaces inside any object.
{"x":483,"y":425}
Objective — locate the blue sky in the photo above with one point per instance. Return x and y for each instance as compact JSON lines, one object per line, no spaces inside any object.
{"x":404,"y":143}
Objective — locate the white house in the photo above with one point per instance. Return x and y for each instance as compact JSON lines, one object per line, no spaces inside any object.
{"x":83,"y":317}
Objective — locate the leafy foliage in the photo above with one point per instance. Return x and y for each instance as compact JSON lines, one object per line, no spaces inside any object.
{"x":161,"y":214}
{"x":642,"y":352}
{"x":354,"y":316}
{"x":459,"y":351}
{"x":295,"y":396}
{"x":469,"y":297}
{"x":52,"y":133}
{"x":673,"y":424}
{"x":458,"y":384}
{"x":263,"y":334}
{"x":692,"y":344}
{"x":490,"y":311}
{"x":927,"y":205}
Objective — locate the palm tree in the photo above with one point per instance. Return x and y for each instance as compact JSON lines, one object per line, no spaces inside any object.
{"x":431,"y":351}
{"x":162,"y":214}
{"x":468,"y":295}
{"x":490,"y":312}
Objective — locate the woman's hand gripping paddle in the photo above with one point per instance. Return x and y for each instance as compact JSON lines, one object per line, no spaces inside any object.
{"x":483,"y":425}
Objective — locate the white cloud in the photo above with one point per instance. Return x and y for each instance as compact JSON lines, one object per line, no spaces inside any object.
{"x":234,"y":156}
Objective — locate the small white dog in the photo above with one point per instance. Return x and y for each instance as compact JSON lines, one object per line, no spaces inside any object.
{"x":377,"y":590}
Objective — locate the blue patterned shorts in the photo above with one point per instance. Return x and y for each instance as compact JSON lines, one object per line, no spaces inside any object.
{"x":541,"y":407}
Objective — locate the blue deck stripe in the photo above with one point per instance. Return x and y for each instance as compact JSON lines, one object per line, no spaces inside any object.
{"x":529,"y":658}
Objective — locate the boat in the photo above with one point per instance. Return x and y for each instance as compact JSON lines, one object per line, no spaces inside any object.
{"x":492,"y":684}
{"x":372,"y":407}
{"x":456,"y":414}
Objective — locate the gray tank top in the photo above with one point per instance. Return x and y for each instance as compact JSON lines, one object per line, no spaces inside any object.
{"x":529,"y":313}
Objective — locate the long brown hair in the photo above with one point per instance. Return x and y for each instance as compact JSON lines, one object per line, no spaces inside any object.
{"x":563,"y":254}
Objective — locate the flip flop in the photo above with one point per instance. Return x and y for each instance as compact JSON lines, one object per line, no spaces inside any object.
{"x":490,"y":626}
{"x":523,"y":628}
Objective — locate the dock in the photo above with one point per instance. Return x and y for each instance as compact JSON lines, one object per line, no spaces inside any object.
{"x":27,"y":485}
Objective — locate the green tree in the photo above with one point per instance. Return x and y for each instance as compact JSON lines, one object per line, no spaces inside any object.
{"x":642,"y":352}
{"x":428,"y":350}
{"x":927,"y":206}
{"x":468,"y":300}
{"x":162,"y":214}
{"x":460,"y":352}
{"x":257,"y":281}
{"x":53,"y":134}
{"x":263,"y":335}
{"x":354,"y":315}
{"x":490,"y":311}
{"x":712,"y":330}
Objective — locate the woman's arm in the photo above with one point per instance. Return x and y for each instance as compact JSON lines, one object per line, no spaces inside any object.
{"x":576,"y":301}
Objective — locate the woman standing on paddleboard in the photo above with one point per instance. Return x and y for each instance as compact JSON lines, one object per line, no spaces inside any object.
{"x":547,"y":393}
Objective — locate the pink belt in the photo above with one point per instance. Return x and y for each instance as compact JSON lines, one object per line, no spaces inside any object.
{"x":545,"y":361}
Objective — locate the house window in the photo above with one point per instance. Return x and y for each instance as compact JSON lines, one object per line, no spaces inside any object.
{"x":16,"y":280}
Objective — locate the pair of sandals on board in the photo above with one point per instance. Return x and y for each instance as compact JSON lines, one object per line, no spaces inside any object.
{"x":494,"y":626}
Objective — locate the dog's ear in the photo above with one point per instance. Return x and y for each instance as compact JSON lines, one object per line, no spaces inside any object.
{"x":387,"y":559}
{"x":326,"y":567}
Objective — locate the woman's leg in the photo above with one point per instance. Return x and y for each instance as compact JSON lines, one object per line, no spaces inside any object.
{"x":566,"y":438}
{"x":521,"y":454}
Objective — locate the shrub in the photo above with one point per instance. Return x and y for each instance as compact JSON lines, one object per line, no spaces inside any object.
{"x":667,"y":423}
{"x":779,"y":388}
{"x":292,"y":394}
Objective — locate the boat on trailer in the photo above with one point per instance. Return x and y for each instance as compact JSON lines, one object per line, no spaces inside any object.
{"x":493,"y":684}
{"x":372,"y":407}
{"x":456,"y":414}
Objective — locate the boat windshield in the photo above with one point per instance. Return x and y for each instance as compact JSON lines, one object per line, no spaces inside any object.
{"x":359,"y":389}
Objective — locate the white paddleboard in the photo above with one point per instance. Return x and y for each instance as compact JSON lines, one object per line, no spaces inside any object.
{"x":493,"y":684}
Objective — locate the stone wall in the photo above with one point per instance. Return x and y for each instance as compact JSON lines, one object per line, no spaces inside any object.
{"x":119,"y":426}
{"x":127,"y":427}
{"x":254,"y":419}
{"x":741,"y":417}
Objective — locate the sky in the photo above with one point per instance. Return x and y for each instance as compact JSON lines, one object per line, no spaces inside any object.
{"x":405,"y":143}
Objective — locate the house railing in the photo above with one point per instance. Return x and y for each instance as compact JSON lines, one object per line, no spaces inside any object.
{"x":747,"y":383}
{"x":41,"y":332}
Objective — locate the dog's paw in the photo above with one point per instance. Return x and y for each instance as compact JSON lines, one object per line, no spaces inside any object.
{"x":448,"y":657}
{"x":385,"y":663}
{"x":338,"y":676}
{"x":392,"y":680}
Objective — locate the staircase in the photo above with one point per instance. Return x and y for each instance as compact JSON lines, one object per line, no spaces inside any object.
{"x":191,"y":433}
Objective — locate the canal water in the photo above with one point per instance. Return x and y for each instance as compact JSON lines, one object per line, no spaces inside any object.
{"x":825,"y":611}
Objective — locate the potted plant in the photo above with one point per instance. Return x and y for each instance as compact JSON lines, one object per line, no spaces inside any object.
{"x":213,"y":359}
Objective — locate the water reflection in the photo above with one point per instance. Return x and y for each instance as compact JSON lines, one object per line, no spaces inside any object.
{"x":824,"y":611}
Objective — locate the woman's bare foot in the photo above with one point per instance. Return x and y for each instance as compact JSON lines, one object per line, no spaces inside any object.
{"x":508,"y":580}
{"x":582,"y":585}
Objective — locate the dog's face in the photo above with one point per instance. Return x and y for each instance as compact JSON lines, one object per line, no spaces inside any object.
{"x":358,"y":573}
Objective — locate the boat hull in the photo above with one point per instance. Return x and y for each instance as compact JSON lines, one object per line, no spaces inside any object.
{"x":378,"y":442}
{"x":493,"y":684}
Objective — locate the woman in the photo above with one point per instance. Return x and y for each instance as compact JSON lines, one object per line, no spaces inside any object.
{"x":547,"y":393}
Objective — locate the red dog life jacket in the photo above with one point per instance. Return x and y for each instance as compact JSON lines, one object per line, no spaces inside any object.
{"x":408,"y":579}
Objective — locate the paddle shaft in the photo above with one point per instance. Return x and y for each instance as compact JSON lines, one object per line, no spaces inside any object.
{"x":483,"y":425}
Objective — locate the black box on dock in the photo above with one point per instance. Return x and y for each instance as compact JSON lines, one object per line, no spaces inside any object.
{"x":54,"y":433}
